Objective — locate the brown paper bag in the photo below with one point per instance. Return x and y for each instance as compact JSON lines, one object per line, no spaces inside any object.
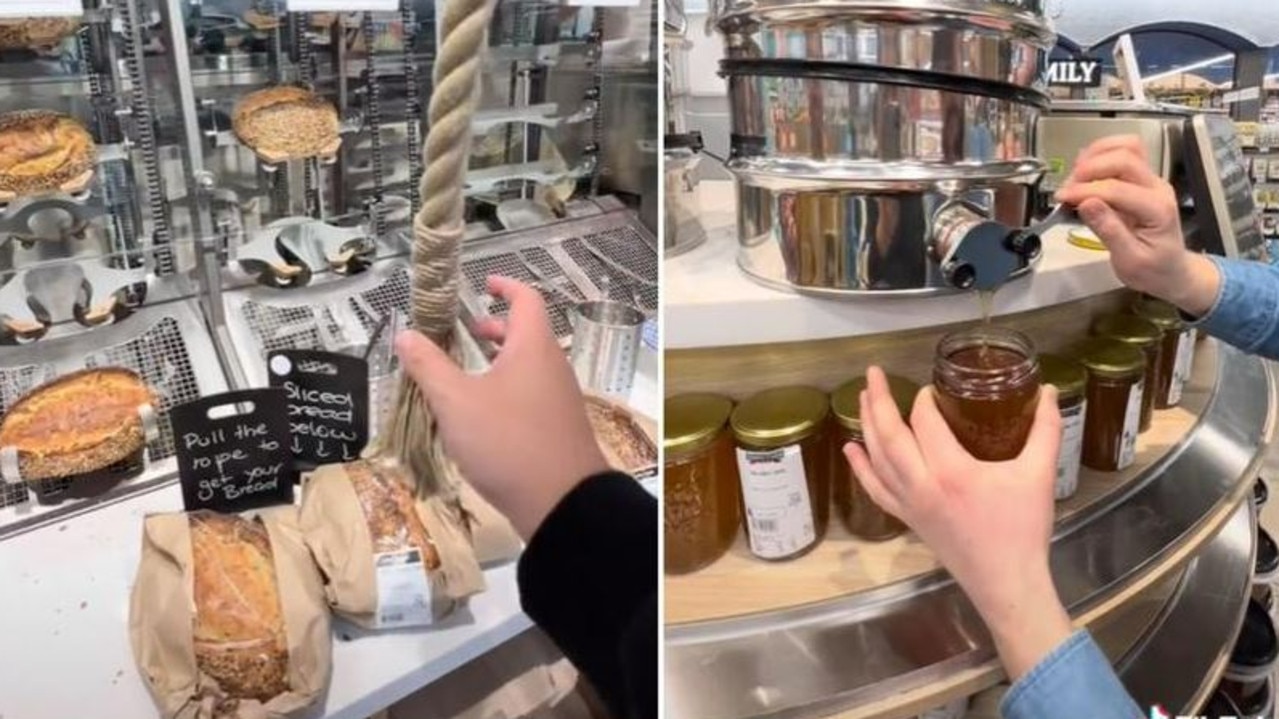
{"x":338,"y":532}
{"x":162,"y":616}
{"x":496,"y":541}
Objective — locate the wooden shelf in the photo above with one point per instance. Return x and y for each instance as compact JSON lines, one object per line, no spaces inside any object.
{"x":739,"y":584}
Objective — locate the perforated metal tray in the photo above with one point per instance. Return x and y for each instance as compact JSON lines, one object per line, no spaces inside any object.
{"x":167,"y":345}
{"x":568,"y":261}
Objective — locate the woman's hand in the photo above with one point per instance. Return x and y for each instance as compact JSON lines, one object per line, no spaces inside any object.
{"x":519,"y":432}
{"x":1135,"y":213}
{"x":989,"y":523}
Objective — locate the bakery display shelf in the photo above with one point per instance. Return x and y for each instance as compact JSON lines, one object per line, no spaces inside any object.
{"x":896,"y":649}
{"x":167,"y":345}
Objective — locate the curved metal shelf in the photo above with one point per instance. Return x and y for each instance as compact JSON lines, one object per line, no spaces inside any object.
{"x":863,"y":654}
{"x":1180,"y":659}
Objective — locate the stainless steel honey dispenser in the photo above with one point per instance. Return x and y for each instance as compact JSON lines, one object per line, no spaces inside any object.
{"x":884,"y":145}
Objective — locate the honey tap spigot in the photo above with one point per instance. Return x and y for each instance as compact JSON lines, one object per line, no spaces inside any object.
{"x":977,"y":253}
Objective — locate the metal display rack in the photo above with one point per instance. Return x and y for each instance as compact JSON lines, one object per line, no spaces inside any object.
{"x":188,"y":257}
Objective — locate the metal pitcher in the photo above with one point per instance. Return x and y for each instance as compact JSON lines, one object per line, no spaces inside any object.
{"x":606,"y":340}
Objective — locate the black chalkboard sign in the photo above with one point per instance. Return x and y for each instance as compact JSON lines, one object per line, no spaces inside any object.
{"x":328,"y":404}
{"x":233,"y":451}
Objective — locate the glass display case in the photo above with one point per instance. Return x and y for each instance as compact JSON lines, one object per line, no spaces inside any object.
{"x":186,"y":185}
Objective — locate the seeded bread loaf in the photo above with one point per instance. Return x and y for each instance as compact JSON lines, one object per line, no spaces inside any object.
{"x":626,"y":445}
{"x":239,"y":632}
{"x":393,"y":521}
{"x":287,"y":123}
{"x":42,"y":151}
{"x":81,"y":422}
{"x":36,"y":32}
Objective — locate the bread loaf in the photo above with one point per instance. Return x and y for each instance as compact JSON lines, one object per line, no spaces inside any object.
{"x":41,"y":151}
{"x":362,"y":523}
{"x":81,"y":422}
{"x":36,"y":32}
{"x":626,"y":445}
{"x":287,"y":123}
{"x":394,"y":525}
{"x":239,"y":629}
{"x":227,"y":618}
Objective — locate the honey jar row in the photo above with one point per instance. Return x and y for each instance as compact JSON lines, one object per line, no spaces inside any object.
{"x":773,"y":464}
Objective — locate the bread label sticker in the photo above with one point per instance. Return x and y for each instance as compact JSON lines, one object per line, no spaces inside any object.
{"x":1072,"y":445}
{"x":779,"y":513}
{"x":1132,"y":420}
{"x":328,"y":404}
{"x":24,"y":9}
{"x":1181,"y":368}
{"x":403,"y":591}
{"x":233,"y":451}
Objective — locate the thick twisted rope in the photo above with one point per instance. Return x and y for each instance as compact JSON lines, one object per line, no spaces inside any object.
{"x":438,"y":228}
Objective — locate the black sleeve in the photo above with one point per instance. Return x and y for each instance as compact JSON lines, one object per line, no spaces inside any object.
{"x":588,"y":578}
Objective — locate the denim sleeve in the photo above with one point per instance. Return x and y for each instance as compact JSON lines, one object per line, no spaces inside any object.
{"x":1074,"y":681}
{"x":1246,"y":313}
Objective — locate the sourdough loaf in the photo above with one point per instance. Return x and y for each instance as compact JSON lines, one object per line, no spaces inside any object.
{"x":626,"y":445}
{"x":356,"y":513}
{"x":81,"y":422}
{"x":239,"y":628}
{"x":41,"y":151}
{"x":227,"y":618}
{"x":36,"y":32}
{"x":287,"y":123}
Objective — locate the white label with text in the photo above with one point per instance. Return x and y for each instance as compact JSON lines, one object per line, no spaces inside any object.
{"x":779,"y":513}
{"x":1132,"y":421}
{"x":1181,"y":368}
{"x":1072,"y":445}
{"x":403,"y":590}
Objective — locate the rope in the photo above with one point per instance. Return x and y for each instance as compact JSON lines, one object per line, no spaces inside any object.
{"x":438,"y":228}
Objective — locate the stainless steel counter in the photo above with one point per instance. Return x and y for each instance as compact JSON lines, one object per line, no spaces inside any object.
{"x":827,"y":657}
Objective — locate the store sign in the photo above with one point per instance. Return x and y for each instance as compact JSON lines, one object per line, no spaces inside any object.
{"x":1075,"y":72}
{"x":233,"y":451}
{"x":327,"y":397}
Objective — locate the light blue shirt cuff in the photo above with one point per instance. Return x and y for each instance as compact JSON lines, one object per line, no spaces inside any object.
{"x":1074,"y":681}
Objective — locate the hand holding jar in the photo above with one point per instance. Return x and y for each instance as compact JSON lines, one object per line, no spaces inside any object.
{"x":989,"y":523}
{"x":1135,"y":213}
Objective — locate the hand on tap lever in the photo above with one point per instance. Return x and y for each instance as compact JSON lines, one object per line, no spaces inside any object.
{"x":1135,"y":213}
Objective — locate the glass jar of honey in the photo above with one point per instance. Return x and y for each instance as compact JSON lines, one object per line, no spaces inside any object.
{"x":701,"y":500}
{"x":987,"y":383}
{"x":1071,"y":380}
{"x":1116,"y":372}
{"x":1145,"y":336}
{"x":783,"y":459}
{"x":861,"y":516}
{"x":1177,"y":353}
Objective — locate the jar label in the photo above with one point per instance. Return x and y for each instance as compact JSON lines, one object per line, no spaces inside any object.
{"x":1072,"y":446}
{"x":1132,"y":420}
{"x":1181,"y":369}
{"x":779,"y":515}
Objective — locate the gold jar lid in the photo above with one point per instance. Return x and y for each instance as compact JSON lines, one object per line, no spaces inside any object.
{"x":845,"y":401}
{"x":692,"y":421}
{"x":1086,"y":239}
{"x":1129,"y":329}
{"x":1067,"y":375}
{"x":780,"y":416}
{"x":1160,"y":313}
{"x":1110,"y":358}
